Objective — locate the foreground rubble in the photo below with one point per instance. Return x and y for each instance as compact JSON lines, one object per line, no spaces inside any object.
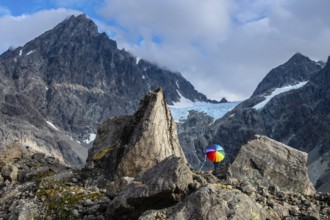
{"x":267,"y":180}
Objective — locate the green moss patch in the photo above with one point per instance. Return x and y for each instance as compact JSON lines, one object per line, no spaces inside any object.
{"x":60,"y":199}
{"x":103,"y":152}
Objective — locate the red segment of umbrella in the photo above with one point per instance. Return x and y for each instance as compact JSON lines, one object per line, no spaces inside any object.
{"x":214,"y":156}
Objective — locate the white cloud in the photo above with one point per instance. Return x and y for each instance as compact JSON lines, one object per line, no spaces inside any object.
{"x":185,"y":21}
{"x":223,"y":47}
{"x":17,"y":30}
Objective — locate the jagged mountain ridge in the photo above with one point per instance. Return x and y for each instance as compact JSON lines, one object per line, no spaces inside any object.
{"x":75,"y":61}
{"x":297,"y":69}
{"x":75,"y":78}
{"x":298,"y":118}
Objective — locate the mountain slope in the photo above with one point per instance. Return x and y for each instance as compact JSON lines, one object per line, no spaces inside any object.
{"x":75,"y":78}
{"x":297,"y":116}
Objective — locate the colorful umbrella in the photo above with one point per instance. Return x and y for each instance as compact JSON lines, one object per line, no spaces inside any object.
{"x":215,"y":153}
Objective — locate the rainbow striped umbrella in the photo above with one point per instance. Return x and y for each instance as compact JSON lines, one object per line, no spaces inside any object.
{"x":215,"y":153}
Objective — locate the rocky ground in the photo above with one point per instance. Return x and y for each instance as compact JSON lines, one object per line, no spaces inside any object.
{"x":170,"y":190}
{"x":267,"y":180}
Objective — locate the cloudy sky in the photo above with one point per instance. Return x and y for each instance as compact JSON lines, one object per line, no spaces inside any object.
{"x":223,"y":47}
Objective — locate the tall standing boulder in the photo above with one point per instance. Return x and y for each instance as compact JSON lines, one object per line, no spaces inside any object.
{"x":265,"y":162}
{"x":127,"y":145}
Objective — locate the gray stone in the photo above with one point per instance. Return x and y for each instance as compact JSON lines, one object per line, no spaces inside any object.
{"x":265,"y":162}
{"x":211,"y":202}
{"x":313,"y":213}
{"x":115,"y":187}
{"x":9,"y":172}
{"x":63,"y":176}
{"x":38,"y":156}
{"x":247,"y":187}
{"x":161,"y":186}
{"x":25,"y":210}
{"x":75,"y":213}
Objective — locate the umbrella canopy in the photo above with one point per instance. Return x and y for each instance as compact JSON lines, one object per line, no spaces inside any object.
{"x":215,"y":153}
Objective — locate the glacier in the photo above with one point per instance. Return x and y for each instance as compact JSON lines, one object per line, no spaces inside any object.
{"x":180,"y":110}
{"x":277,"y":92}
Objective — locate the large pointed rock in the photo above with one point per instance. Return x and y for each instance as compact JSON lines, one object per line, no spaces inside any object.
{"x":265,"y":162}
{"x":127,"y":145}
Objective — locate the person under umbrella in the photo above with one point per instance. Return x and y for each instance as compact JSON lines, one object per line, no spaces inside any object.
{"x":215,"y":153}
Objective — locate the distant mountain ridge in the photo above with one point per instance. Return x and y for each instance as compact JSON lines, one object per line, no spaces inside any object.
{"x":298,"y":68}
{"x":298,"y":118}
{"x":75,"y":78}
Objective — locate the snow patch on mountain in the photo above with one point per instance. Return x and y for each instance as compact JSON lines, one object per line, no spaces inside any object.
{"x":177,"y":84}
{"x":180,"y":110}
{"x":52,"y":125}
{"x":31,"y":51}
{"x":90,"y":138}
{"x":277,"y":92}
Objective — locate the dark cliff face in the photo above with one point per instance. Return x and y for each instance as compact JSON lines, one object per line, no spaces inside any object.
{"x":297,"y":69}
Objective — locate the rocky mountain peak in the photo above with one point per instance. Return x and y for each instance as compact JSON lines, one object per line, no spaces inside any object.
{"x":297,"y":69}
{"x":78,"y":25}
{"x":76,"y":34}
{"x":298,"y":58}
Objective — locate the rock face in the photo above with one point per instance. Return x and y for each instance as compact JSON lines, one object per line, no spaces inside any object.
{"x":128,"y":145}
{"x":211,"y":202}
{"x":268,"y":163}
